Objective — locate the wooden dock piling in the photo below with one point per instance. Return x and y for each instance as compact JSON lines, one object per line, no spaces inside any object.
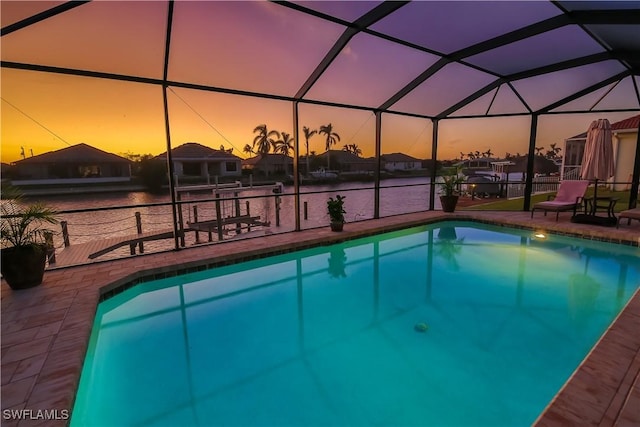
{"x":195,"y":219}
{"x":139,"y":230}
{"x":249,"y":215}
{"x":65,"y":233}
{"x":218,"y":218}
{"x":237,"y":213}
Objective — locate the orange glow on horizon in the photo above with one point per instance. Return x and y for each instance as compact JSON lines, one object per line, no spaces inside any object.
{"x":46,"y":112}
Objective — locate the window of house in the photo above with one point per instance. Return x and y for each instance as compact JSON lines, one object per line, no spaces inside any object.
{"x":232,"y":166}
{"x":117,"y":170}
{"x":58,"y":171}
{"x":192,"y":169}
{"x":91,"y":171}
{"x":574,"y":152}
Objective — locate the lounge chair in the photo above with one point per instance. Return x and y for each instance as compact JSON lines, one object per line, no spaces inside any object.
{"x":568,"y":198}
{"x":629,"y":214}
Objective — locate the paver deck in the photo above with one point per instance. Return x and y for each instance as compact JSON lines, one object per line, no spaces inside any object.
{"x":45,"y":330}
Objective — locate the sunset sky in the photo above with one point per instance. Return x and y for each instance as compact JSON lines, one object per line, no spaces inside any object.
{"x":267,"y":48}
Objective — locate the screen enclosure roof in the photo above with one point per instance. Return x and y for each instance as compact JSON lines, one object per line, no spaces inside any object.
{"x":433,"y":59}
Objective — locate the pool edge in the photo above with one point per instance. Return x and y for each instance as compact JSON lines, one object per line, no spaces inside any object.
{"x":56,"y":333}
{"x":609,"y":377}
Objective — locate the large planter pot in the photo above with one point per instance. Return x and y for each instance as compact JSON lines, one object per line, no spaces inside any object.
{"x":23,"y":266}
{"x":337,"y":225}
{"x":448,"y":203}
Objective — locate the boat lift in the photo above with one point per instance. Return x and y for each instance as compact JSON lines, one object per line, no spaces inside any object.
{"x":227,"y":209}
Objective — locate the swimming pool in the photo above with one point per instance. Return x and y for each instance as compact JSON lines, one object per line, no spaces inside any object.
{"x":453,"y":323}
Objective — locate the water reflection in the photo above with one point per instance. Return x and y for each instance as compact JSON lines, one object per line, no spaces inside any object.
{"x":337,"y":261}
{"x":448,"y":246}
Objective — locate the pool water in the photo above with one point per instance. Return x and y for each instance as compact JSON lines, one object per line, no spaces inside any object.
{"x":448,"y":324}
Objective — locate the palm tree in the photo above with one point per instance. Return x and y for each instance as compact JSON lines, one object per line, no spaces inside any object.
{"x":283,"y":145}
{"x":487,"y":153}
{"x":554,"y":150}
{"x":353,"y":149}
{"x":248,"y":149}
{"x":308,"y":133}
{"x":332,"y":139}
{"x":264,"y":139}
{"x":538,"y":150}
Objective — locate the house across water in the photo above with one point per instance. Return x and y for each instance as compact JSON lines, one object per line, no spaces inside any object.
{"x":193,"y":161}
{"x":80,"y":164}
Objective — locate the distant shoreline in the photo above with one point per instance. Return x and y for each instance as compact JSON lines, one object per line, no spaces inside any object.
{"x":35,"y":191}
{"x":66,"y":191}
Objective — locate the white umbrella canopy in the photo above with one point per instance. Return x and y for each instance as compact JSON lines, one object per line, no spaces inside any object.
{"x":597,"y":161}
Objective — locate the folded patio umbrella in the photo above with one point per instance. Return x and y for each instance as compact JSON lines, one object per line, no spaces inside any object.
{"x":597,"y":161}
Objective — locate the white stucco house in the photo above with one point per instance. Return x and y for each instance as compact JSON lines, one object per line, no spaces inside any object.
{"x":196,"y":160}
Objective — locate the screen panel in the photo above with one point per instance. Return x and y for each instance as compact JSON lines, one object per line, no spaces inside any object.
{"x":97,"y":36}
{"x":251,"y":46}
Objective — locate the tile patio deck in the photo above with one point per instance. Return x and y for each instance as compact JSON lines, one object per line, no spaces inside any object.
{"x":45,"y":330}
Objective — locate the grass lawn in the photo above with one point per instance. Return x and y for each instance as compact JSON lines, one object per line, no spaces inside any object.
{"x":517,"y":204}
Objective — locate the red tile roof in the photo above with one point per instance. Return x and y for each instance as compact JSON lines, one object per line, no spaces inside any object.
{"x":627,"y":124}
{"x":630,"y":123}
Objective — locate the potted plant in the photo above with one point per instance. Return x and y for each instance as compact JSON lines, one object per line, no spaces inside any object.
{"x":335,"y":208}
{"x":23,"y":249}
{"x":450,"y":190}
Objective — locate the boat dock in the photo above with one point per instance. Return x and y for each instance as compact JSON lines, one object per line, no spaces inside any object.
{"x":85,"y":252}
{"x":228,"y":219}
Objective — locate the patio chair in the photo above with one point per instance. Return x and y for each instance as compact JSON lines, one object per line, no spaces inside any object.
{"x":568,"y":198}
{"x":629,"y":214}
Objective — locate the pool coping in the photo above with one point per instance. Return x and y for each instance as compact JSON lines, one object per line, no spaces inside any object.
{"x":46,"y":330}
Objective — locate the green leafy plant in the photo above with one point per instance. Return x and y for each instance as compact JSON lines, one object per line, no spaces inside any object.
{"x":23,"y":224}
{"x":451,"y":181}
{"x":335,"y":208}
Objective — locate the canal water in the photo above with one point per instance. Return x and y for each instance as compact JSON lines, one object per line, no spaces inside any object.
{"x":397,"y":196}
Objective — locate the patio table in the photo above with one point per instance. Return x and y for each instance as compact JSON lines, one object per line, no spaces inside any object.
{"x":591,"y":207}
{"x":601,"y":203}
